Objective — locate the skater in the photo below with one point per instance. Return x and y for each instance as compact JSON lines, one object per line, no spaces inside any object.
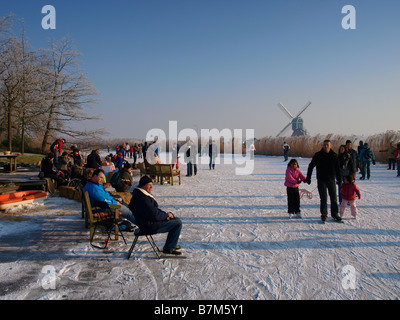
{"x":349,"y":192}
{"x":191,"y":158}
{"x":212,"y":153}
{"x":151,"y":219}
{"x":397,"y":158}
{"x":354,"y":157}
{"x":286,"y":149}
{"x":359,"y":148}
{"x":292,"y":180}
{"x":366,"y":156}
{"x":391,"y":151}
{"x":327,"y":165}
{"x":56,"y":149}
{"x":345,"y":165}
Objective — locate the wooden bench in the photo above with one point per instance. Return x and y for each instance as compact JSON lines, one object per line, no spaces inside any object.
{"x":95,"y":218}
{"x":168,"y":173}
{"x":142,"y":168}
{"x":155,"y":172}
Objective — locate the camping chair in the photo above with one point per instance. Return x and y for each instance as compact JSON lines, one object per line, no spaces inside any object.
{"x":103,"y":215}
{"x":139,"y":233}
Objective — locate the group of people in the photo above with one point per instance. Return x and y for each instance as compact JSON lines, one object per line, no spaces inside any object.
{"x":134,"y":151}
{"x":142,"y":211}
{"x":60,"y":165}
{"x":394,"y":157}
{"x":332,"y":169}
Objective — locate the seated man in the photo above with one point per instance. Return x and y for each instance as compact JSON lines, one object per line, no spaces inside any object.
{"x":150,"y":219}
{"x":126,"y":180}
{"x":97,"y":192}
{"x":48,"y":170}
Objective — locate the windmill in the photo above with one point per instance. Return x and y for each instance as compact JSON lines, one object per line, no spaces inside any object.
{"x":297,"y":121}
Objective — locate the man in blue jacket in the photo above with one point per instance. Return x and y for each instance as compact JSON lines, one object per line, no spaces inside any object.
{"x":366,"y":156}
{"x":151,"y":219}
{"x":97,"y":192}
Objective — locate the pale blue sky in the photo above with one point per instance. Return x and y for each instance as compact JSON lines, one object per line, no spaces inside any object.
{"x":227,"y":63}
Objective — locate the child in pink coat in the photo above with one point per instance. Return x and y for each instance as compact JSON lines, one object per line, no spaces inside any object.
{"x":349,"y":192}
{"x":293,"y":179}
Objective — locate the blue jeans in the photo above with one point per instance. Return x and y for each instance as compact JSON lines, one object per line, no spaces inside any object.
{"x":286,"y":155}
{"x":212,"y":162}
{"x":173,"y":227}
{"x":366,"y":169}
{"x":127,"y":214}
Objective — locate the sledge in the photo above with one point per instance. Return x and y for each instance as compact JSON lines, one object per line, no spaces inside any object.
{"x":305,"y":192}
{"x":13,"y":199}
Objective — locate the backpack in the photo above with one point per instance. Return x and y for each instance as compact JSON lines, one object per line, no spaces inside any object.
{"x":368,"y":154}
{"x":116,"y":179}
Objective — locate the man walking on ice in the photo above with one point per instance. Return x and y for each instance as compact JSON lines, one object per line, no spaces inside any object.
{"x":327,"y":165}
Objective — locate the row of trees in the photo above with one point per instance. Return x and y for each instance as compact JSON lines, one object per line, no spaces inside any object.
{"x":43,"y":93}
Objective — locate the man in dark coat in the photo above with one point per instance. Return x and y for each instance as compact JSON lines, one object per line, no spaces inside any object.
{"x":151,"y":219}
{"x":327,"y":165}
{"x":353,"y":153}
{"x":94,"y":160}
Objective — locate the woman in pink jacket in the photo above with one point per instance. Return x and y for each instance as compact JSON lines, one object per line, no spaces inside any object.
{"x":349,"y":192}
{"x":293,"y":179}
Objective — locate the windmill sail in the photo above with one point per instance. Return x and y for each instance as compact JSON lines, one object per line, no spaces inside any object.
{"x":297,"y":122}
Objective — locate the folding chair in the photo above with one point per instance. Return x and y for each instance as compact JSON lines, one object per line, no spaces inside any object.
{"x":139,"y":233}
{"x":108,"y":219}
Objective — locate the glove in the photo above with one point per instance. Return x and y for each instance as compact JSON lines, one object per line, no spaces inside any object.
{"x":308,"y":181}
{"x":373,"y":162}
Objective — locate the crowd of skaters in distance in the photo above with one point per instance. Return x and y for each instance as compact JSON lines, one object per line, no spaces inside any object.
{"x":64,"y":165}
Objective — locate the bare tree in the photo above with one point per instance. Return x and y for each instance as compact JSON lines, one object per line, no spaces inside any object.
{"x":5,"y":48}
{"x":11,"y":85}
{"x":42,"y":93}
{"x":69,"y":91}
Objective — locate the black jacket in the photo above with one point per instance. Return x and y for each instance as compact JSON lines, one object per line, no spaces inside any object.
{"x":346,"y":164}
{"x":93,"y":160}
{"x":327,"y":166}
{"x":148,"y":216}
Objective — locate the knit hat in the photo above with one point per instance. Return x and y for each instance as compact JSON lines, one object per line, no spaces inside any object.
{"x":127,"y":165}
{"x":144,"y":180}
